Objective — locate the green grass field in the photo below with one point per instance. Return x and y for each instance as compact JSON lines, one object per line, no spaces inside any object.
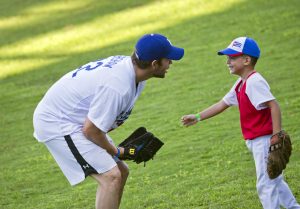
{"x":205,"y":166}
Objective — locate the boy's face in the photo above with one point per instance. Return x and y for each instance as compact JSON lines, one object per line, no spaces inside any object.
{"x":237,"y":64}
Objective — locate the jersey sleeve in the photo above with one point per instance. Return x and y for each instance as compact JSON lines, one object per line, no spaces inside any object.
{"x":258,"y":92}
{"x":105,"y":107}
{"x":230,"y":98}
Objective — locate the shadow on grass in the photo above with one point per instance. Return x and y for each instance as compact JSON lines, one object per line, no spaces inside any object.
{"x":212,"y":32}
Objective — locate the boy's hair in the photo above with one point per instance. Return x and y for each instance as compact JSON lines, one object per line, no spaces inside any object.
{"x":253,"y":60}
{"x":142,"y":64}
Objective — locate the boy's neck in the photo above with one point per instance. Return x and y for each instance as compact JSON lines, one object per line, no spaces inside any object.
{"x":246,"y":73}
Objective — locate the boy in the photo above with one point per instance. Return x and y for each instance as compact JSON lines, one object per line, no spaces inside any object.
{"x":260,"y":118}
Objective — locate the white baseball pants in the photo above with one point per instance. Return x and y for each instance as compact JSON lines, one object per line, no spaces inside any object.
{"x":272,"y":193}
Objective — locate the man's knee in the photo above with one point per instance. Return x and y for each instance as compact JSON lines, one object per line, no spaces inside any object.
{"x":114,"y":175}
{"x":123,"y":167}
{"x":111,"y":177}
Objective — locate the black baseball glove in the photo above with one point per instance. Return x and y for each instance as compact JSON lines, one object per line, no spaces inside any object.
{"x":140,"y":146}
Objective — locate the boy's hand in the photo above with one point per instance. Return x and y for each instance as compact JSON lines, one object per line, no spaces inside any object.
{"x":188,"y":120}
{"x":279,"y":153}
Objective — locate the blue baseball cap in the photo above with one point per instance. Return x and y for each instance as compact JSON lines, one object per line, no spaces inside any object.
{"x":241,"y":45}
{"x":156,"y":46}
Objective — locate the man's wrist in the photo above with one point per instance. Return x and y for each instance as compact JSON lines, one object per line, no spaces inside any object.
{"x":118,"y":152}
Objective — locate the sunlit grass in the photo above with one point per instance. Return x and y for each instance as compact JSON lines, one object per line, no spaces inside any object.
{"x":98,"y":33}
{"x":37,"y":13}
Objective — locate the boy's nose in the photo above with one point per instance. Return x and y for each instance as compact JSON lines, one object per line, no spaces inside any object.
{"x":228,"y":61}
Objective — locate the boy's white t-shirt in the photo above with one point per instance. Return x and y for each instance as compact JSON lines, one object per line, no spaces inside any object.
{"x":104,"y":91}
{"x":257,"y":90}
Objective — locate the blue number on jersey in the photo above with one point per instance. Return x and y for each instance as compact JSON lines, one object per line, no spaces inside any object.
{"x":93,"y":65}
{"x":88,"y":67}
{"x":114,"y":60}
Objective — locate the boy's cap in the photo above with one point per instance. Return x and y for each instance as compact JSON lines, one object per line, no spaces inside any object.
{"x":156,"y":46}
{"x":241,"y":45}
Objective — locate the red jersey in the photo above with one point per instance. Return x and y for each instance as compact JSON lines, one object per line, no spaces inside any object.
{"x":254,"y":123}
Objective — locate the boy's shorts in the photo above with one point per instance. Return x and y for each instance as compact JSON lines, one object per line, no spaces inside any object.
{"x":78,"y":157}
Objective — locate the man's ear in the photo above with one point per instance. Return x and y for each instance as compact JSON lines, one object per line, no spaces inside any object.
{"x":154,"y":63}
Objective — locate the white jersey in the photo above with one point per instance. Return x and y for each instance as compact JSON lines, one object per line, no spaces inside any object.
{"x":104,"y":91}
{"x":257,"y":90}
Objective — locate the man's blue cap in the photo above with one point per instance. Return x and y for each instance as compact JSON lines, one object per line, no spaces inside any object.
{"x":241,"y":45}
{"x":156,"y":46}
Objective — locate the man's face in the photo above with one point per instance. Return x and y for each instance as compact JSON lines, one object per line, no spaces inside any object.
{"x":161,"y":68}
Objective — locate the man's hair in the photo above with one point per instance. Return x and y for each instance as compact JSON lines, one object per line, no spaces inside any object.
{"x":140,"y":63}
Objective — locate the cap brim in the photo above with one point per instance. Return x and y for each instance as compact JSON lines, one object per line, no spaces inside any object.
{"x":229,"y":52}
{"x":176,"y":53}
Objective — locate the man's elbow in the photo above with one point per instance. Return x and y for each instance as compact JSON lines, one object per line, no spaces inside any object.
{"x":89,"y":129}
{"x":86,"y":131}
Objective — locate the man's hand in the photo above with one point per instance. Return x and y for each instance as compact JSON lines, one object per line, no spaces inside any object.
{"x":140,"y":146}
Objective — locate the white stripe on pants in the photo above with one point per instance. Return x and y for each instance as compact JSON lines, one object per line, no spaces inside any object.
{"x":272,"y":193}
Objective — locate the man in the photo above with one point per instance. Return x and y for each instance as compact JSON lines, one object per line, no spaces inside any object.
{"x":78,"y":111}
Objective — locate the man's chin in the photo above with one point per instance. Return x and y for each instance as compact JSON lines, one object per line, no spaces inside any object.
{"x":159,"y":76}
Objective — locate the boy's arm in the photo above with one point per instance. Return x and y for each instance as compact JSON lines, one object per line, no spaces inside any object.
{"x":188,"y":120}
{"x":276,"y":115}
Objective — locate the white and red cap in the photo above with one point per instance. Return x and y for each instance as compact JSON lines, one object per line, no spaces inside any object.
{"x":240,"y":46}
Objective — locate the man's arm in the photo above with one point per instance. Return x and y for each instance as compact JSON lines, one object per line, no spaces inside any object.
{"x":99,"y":137}
{"x":188,"y":120}
{"x":276,"y":115}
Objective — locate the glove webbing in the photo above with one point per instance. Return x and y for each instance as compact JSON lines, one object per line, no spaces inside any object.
{"x":275,"y":147}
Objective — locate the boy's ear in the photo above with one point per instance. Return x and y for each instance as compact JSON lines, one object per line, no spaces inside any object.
{"x":247,"y":60}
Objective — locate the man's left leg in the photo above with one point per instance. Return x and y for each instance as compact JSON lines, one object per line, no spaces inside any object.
{"x":123,"y":167}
